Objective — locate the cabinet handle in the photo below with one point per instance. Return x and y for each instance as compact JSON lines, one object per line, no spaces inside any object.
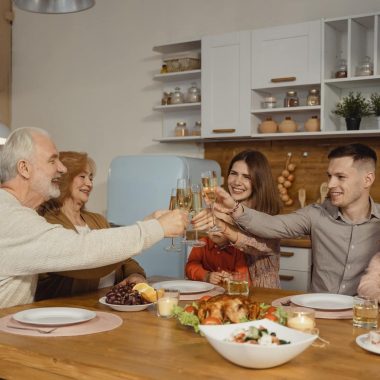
{"x":226,"y":130}
{"x":286,"y":278}
{"x":284,"y":79}
{"x":286,"y":254}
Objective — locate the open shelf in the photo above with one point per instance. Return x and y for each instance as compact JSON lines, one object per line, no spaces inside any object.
{"x":286,"y":110}
{"x":181,"y":75}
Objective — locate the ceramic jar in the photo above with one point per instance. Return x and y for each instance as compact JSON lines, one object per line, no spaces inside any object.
{"x":268,"y":126}
{"x":287,"y":126}
{"x":312,"y":124}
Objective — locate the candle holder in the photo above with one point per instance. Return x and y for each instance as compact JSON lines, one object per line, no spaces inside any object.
{"x":302,"y":320}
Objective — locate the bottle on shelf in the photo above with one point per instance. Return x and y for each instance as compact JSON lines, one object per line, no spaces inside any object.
{"x":291,"y":99}
{"x":287,"y":125}
{"x":181,"y":129}
{"x":313,"y":98}
{"x":165,"y":100}
{"x":196,"y":130}
{"x":341,"y":69}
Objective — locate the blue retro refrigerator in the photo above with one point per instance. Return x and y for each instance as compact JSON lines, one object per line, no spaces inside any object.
{"x":141,"y":184}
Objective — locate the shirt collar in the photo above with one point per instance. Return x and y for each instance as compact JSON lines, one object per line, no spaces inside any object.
{"x":336,"y":214}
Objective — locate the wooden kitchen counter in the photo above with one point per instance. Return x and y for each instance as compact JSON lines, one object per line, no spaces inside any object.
{"x":146,"y":347}
{"x":302,"y":242}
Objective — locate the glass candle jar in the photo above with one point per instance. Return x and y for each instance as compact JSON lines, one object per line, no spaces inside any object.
{"x":291,"y":99}
{"x":313,"y":98}
{"x":269,"y":102}
{"x":193,"y":94}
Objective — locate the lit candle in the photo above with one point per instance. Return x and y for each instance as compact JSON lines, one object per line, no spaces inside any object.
{"x":301,"y":321}
{"x":165,"y":306}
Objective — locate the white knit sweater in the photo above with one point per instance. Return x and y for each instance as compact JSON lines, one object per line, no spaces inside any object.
{"x":30,"y":245}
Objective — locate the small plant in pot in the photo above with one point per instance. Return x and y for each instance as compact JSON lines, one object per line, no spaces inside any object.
{"x":353,"y":107}
{"x":375,"y":106}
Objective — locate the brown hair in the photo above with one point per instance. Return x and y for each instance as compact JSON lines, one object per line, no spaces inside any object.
{"x":264,"y":191}
{"x":358,"y":152}
{"x":75,"y":163}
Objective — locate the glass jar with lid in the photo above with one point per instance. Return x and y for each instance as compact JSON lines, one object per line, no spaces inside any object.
{"x":196,"y":130}
{"x":193,"y":94}
{"x":313,"y":98}
{"x":341,"y":69}
{"x":177,"y":96}
{"x":181,"y":129}
{"x":366,"y":67}
{"x":291,"y":99}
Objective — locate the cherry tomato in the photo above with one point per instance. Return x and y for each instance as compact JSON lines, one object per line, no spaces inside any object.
{"x":211,"y":321}
{"x":271,"y":317}
{"x":190,"y":309}
{"x":205,"y":298}
{"x":271,"y":310}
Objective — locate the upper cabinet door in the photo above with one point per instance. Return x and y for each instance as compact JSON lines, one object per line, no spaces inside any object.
{"x":226,"y":78}
{"x":286,"y":55}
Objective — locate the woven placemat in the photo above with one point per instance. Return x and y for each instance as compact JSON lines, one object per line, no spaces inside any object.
{"x":102,"y":322}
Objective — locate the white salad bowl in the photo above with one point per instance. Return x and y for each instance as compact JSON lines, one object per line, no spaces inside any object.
{"x":255,"y":355}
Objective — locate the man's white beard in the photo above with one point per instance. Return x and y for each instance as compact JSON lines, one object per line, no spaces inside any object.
{"x":45,"y":188}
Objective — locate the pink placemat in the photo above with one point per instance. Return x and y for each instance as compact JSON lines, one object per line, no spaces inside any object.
{"x":285,"y":303}
{"x":196,"y":296}
{"x":102,"y":322}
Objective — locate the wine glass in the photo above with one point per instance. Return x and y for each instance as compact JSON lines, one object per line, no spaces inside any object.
{"x":196,"y":207}
{"x":209,"y":184}
{"x":172,"y":205}
{"x":184,"y":199}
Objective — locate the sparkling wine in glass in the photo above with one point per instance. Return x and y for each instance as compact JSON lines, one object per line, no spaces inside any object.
{"x":172,"y":205}
{"x":209,"y":184}
{"x":184,"y":200}
{"x":196,"y":207}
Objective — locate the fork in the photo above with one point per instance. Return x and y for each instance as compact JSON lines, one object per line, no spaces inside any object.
{"x":41,"y":331}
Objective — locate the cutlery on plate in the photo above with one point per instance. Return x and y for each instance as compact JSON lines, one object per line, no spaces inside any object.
{"x":42,"y":331}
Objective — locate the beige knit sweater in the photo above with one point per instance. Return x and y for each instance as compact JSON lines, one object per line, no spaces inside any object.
{"x":30,"y":245}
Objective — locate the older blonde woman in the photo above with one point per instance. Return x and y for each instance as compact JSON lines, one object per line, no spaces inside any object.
{"x":69,"y":211}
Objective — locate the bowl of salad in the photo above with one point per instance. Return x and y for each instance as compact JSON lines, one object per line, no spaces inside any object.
{"x":257,"y":344}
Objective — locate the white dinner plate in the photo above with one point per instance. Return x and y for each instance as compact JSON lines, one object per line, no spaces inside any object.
{"x":184,"y":286}
{"x":323,"y":301}
{"x":363,"y":342}
{"x":54,"y":316}
{"x":124,"y":307}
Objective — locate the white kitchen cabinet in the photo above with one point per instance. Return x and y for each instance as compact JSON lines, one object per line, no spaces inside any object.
{"x":351,"y":38}
{"x":226,"y":79}
{"x":187,"y":112}
{"x":286,"y":55}
{"x":295,"y":268}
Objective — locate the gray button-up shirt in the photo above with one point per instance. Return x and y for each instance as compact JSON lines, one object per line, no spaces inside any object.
{"x":341,"y":249}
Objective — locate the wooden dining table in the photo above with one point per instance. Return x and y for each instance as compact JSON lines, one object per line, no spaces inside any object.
{"x":148,"y":347}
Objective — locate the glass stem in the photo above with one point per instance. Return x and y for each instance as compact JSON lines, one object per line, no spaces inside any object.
{"x":212,"y":212}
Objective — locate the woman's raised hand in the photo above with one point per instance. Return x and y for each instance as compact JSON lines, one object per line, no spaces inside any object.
{"x":224,"y":202}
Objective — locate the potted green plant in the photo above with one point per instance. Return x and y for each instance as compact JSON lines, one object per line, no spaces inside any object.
{"x":353,"y":107}
{"x":375,"y":106}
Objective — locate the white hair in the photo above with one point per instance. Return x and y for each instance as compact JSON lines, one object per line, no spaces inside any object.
{"x":18,"y":146}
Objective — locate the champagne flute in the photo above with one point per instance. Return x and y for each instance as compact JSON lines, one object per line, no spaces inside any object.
{"x":184,"y":197}
{"x":172,"y":205}
{"x":196,"y":207}
{"x":210,"y":183}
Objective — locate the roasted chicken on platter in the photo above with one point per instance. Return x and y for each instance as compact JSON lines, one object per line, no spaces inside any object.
{"x":228,"y":308}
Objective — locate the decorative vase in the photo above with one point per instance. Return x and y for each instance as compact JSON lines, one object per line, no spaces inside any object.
{"x":287,"y":125}
{"x":312,"y":124}
{"x":268,"y":126}
{"x":353,"y":123}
